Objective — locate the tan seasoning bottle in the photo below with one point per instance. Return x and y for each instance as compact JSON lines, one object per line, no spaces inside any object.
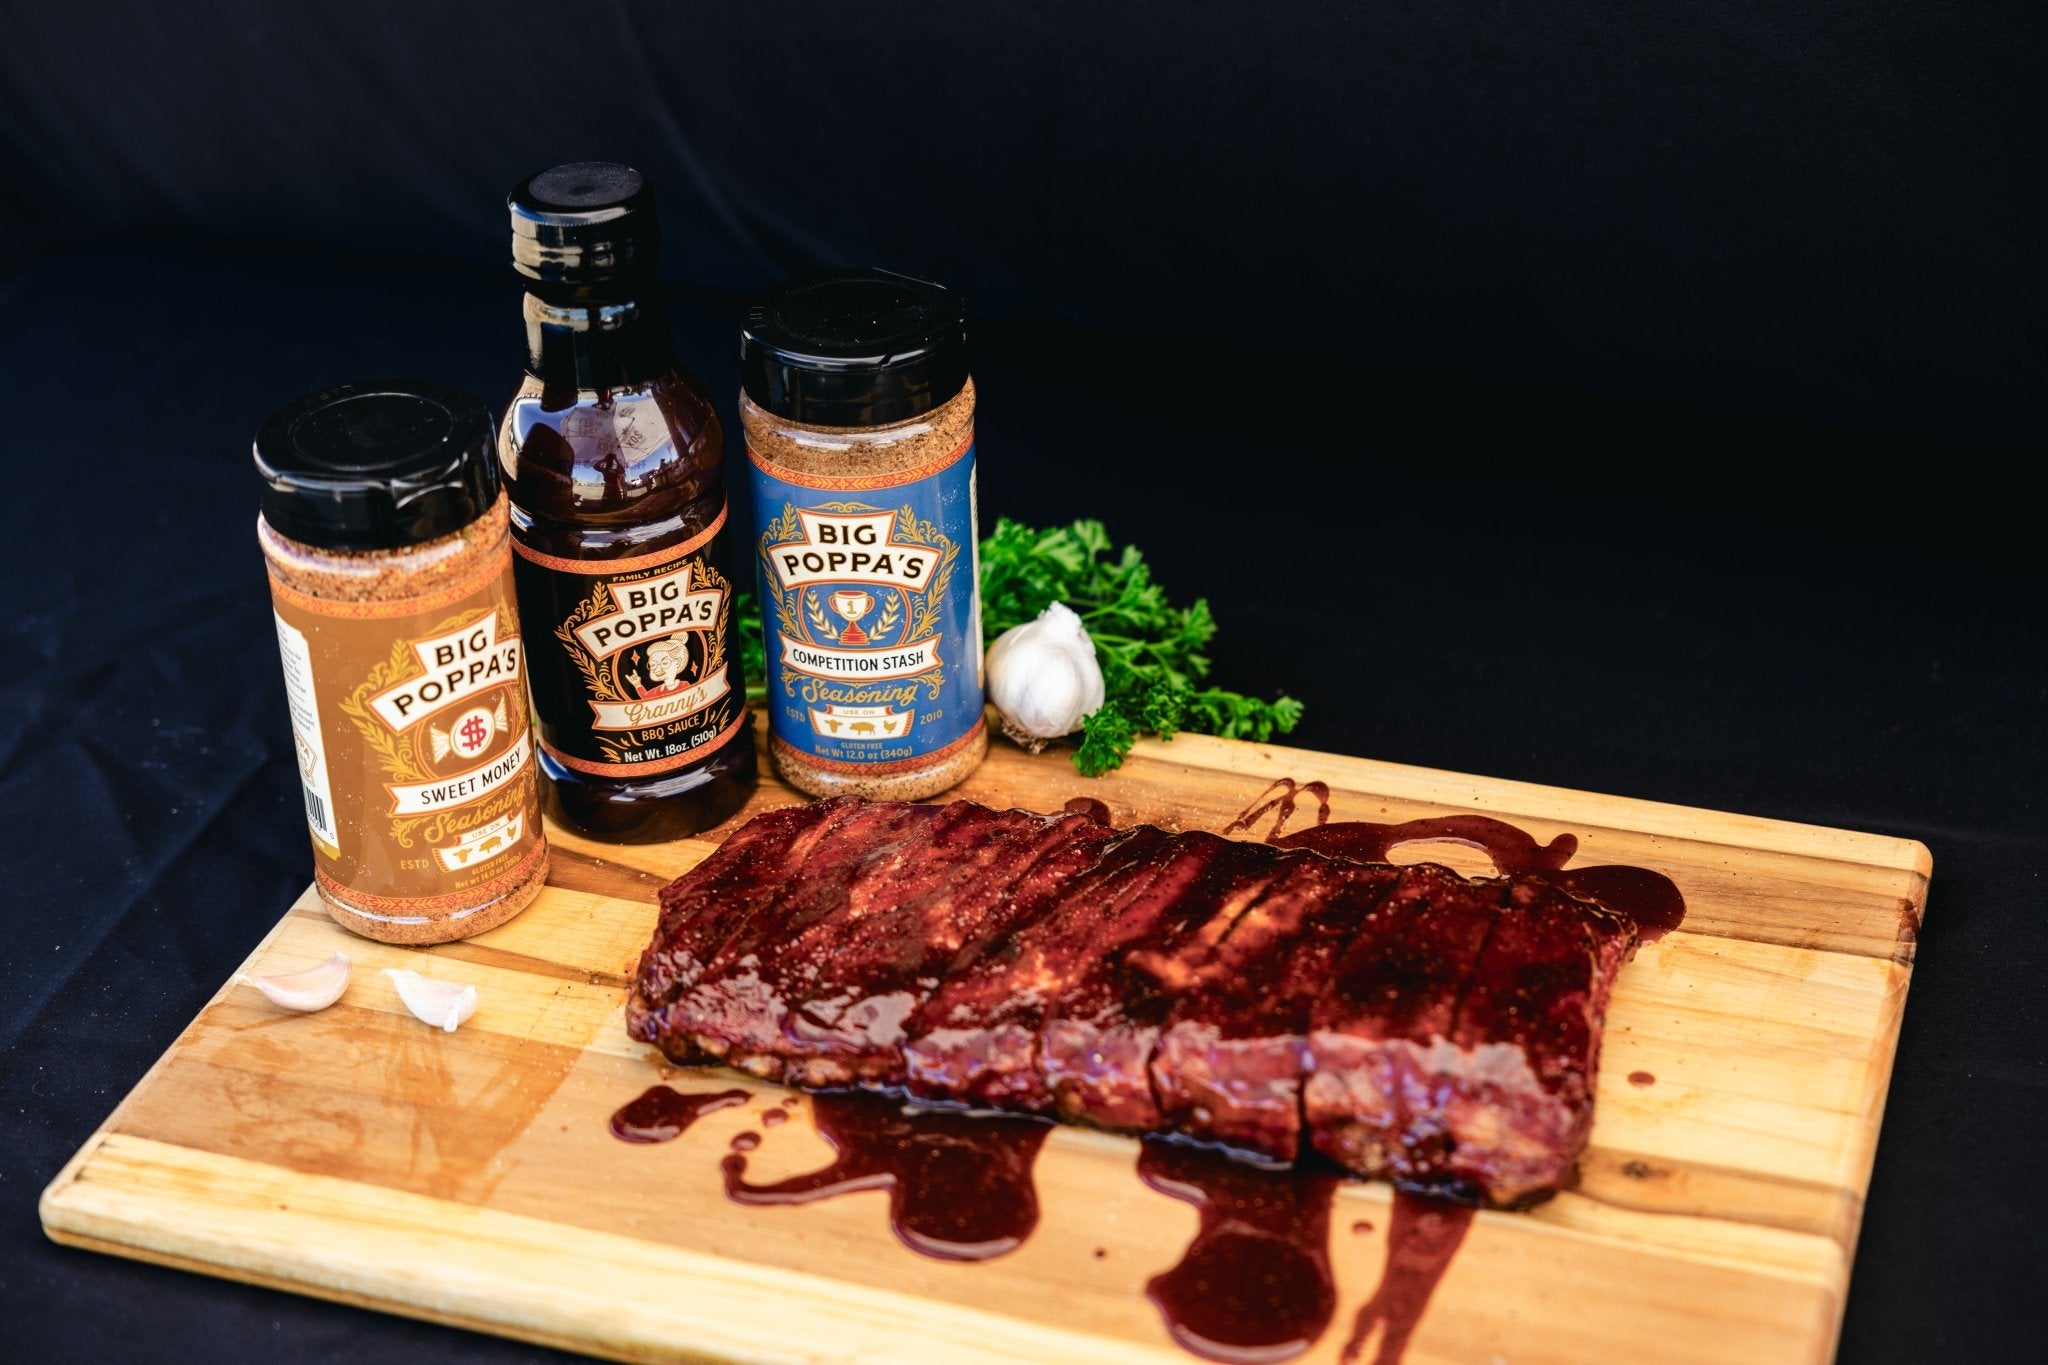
{"x":859,"y":418}
{"x":615,"y":461}
{"x":387,"y":539}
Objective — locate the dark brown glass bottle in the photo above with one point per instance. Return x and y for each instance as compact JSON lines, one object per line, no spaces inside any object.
{"x":614,"y":459}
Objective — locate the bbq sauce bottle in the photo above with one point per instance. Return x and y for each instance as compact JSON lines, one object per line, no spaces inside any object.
{"x":614,"y":459}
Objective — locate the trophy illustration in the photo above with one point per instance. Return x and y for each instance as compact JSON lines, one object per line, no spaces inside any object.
{"x":852,"y":604}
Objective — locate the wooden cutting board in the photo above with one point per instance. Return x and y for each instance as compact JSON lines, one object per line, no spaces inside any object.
{"x":470,"y":1178}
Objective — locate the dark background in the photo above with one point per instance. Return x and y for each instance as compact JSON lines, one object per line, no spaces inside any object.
{"x":1635,"y":398}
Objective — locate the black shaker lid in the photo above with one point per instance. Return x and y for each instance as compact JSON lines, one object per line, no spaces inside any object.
{"x":854,"y":348}
{"x":584,"y":222}
{"x":377,"y":466}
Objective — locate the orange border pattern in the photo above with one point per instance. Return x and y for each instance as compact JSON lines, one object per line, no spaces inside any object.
{"x":391,"y":608}
{"x":659,"y":765}
{"x":857,"y":482}
{"x":894,"y":765}
{"x":652,"y":560}
{"x":396,"y":906}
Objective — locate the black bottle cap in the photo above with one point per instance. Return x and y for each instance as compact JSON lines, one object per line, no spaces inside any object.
{"x":854,"y":348}
{"x":377,"y":466}
{"x":584,"y":222}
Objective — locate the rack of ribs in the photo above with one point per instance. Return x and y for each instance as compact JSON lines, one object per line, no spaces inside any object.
{"x":1403,"y":1021}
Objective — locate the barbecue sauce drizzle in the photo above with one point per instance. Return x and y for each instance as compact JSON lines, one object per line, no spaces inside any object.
{"x":1255,"y":1286}
{"x":959,"y":1184}
{"x":1421,"y":1239}
{"x":1088,"y":808}
{"x":662,"y":1114}
{"x":1255,"y":1283}
{"x":1648,"y":898}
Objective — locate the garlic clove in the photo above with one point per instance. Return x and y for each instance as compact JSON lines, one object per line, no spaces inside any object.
{"x":1043,"y":677}
{"x":444,"y":1004}
{"x":315,"y":988}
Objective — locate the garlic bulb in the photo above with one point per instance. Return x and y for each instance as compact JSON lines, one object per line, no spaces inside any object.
{"x":1043,"y":677}
{"x":315,"y":988}
{"x":444,"y":1004}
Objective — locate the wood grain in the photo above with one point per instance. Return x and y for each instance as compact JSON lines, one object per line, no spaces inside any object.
{"x":470,"y":1178}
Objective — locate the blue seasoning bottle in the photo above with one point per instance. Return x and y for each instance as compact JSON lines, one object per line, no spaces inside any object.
{"x":858,"y":411}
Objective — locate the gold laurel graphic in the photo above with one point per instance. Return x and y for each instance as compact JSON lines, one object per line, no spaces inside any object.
{"x":817,"y":617}
{"x":597,"y":673}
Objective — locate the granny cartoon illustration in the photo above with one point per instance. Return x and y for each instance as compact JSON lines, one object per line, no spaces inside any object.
{"x":667,"y":661}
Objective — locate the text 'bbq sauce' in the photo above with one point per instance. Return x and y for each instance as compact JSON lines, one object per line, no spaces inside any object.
{"x":614,"y":459}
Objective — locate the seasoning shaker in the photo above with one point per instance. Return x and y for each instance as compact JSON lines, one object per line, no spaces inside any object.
{"x":858,"y":411}
{"x":388,"y":547}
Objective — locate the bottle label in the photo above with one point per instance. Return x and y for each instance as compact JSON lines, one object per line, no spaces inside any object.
{"x":302,"y":700}
{"x":869,"y":606}
{"x":631,"y":670}
{"x":409,"y":721}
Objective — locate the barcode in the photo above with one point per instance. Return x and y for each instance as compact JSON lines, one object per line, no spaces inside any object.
{"x":316,"y":809}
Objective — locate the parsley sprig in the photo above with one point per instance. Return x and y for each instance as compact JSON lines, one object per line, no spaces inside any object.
{"x":1151,"y":652}
{"x":1154,"y":670}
